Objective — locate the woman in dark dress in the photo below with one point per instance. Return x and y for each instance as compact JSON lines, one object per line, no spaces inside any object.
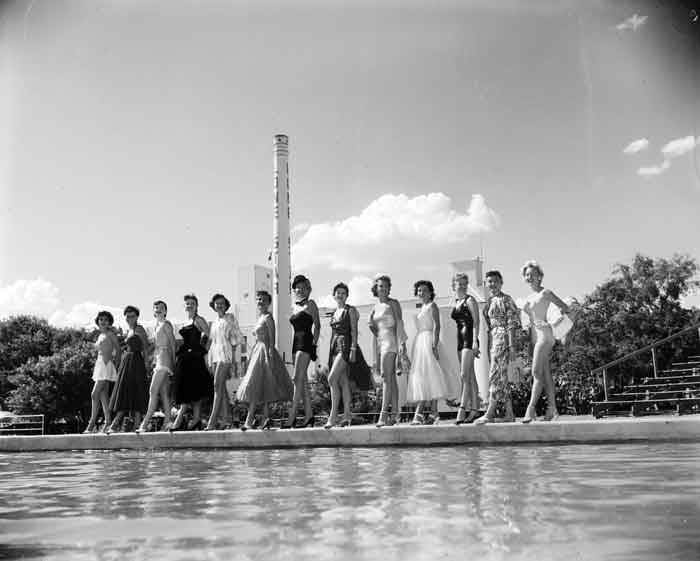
{"x":193,"y":383}
{"x":130,"y":392}
{"x":345,"y":360}
{"x":307,"y":327}
{"x":466,"y":315}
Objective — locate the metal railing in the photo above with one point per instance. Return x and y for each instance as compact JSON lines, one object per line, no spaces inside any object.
{"x":22,"y":424}
{"x":652,"y":347}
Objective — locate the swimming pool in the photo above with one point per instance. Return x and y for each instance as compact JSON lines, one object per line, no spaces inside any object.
{"x":526,"y":502}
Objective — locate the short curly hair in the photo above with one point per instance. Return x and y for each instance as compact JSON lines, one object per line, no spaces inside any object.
{"x":104,"y":314}
{"x":301,"y":279}
{"x":160,"y":303}
{"x":265,"y":295}
{"x":458,"y":277}
{"x":341,"y":285}
{"x":187,"y":297}
{"x":427,"y":284}
{"x":495,"y":274}
{"x":532,"y":265}
{"x":377,"y":280}
{"x":132,"y":309}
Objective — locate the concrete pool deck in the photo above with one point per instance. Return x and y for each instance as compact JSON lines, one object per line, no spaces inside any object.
{"x":566,"y":430}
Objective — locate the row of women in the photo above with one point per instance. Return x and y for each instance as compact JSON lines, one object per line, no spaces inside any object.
{"x":204,"y":361}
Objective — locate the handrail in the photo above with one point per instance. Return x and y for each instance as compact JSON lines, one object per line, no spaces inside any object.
{"x":651,"y":347}
{"x":647,"y":348}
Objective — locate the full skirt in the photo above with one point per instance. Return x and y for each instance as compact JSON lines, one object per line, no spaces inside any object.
{"x":266,"y":378}
{"x":429,"y":378}
{"x":192,"y":378}
{"x":359,"y":372}
{"x":131,"y":390}
{"x":104,"y":371}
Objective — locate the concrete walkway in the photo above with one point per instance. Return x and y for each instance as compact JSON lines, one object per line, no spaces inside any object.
{"x":567,"y":430}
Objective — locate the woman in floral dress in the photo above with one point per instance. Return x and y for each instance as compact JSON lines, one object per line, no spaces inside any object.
{"x":502,"y":320}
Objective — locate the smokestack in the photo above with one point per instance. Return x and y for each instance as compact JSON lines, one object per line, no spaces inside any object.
{"x":281,"y":250}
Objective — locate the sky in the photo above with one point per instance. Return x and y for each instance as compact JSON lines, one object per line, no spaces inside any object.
{"x":136,"y":144}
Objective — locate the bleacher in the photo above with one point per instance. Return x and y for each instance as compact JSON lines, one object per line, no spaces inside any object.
{"x":675,"y":390}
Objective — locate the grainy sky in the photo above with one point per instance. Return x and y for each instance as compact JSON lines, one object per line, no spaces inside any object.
{"x":136,"y":143}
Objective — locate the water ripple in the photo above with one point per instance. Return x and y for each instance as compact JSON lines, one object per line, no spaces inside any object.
{"x":630,"y":502}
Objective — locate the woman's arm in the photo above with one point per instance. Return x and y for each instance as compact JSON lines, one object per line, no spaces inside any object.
{"x":203,"y":326}
{"x":558,"y":302}
{"x":354,"y":318}
{"x":370,"y":322}
{"x":400,"y":330}
{"x":436,"y":329}
{"x":272,"y":330}
{"x":473,"y":306}
{"x":313,"y":308}
{"x":172,"y":342}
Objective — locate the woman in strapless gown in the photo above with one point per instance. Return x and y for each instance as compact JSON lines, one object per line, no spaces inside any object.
{"x":130,"y":394}
{"x":105,"y":373}
{"x":346,"y":363}
{"x":193,"y":382}
{"x":164,"y":368}
{"x":307,"y":327}
{"x":466,"y":315}
{"x":386,"y":324}
{"x":536,"y":307}
{"x":266,"y":379}
{"x":431,"y":377}
{"x":224,"y":337}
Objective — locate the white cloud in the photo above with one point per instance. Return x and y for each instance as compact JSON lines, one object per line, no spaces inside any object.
{"x":679,"y":146}
{"x":636,"y":146}
{"x":40,"y":298}
{"x":393,"y":229}
{"x":651,"y":171}
{"x":633,"y":23}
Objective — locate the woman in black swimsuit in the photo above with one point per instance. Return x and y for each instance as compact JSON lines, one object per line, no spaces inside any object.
{"x":307,"y":327}
{"x":466,"y":316}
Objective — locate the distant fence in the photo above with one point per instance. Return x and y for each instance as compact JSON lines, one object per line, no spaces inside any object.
{"x":21,"y":425}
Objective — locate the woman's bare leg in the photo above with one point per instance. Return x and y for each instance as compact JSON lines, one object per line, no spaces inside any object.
{"x":220,"y":376}
{"x":157,"y":382}
{"x":337,"y":370}
{"x":347,"y":396}
{"x":301,"y":364}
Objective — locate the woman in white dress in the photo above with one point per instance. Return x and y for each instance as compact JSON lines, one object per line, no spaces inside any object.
{"x":224,"y":337}
{"x":431,"y":376}
{"x":105,"y":372}
{"x":536,"y":306}
{"x":386,"y":324}
{"x":164,"y":368}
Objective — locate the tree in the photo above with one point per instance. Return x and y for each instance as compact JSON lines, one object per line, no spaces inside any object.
{"x":57,"y":386}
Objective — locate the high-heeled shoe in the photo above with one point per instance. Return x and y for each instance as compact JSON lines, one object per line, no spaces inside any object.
{"x":195,"y":426}
{"x":418,"y":419}
{"x":391,"y":420}
{"x":345,"y":423}
{"x":291,"y":425}
{"x":381,"y":422}
{"x":328,"y":425}
{"x":266,"y":424}
{"x":89,"y":430}
{"x":484,"y":420}
{"x":551,"y":415}
{"x":528,"y":418}
{"x":310,"y":423}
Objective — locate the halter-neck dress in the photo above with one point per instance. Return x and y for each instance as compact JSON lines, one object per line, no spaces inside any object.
{"x":131,"y":390}
{"x":359,"y":371}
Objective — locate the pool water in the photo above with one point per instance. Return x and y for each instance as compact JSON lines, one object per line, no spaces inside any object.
{"x":631,"y":502}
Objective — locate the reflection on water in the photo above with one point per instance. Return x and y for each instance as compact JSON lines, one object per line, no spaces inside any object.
{"x":575,"y":502}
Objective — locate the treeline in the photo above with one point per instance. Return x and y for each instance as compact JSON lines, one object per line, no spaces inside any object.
{"x":45,"y":369}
